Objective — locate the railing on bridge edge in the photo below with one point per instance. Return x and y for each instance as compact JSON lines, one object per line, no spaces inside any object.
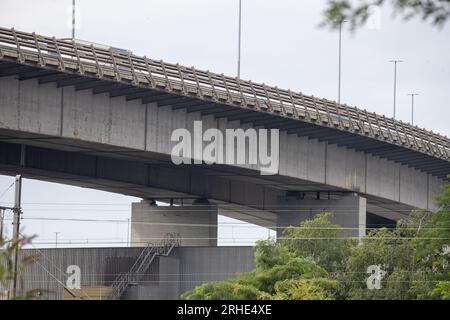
{"x":123,"y":66}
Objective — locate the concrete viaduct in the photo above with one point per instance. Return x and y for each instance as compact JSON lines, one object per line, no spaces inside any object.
{"x":102,"y":118}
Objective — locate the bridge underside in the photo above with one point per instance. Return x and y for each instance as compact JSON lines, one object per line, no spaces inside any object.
{"x":239,"y":193}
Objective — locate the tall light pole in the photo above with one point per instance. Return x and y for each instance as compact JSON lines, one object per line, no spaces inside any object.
{"x":395,"y":81}
{"x":16,"y":223}
{"x":340,"y":54}
{"x":2,"y":216}
{"x":239,"y":40}
{"x":412,"y":106}
{"x":73,"y":19}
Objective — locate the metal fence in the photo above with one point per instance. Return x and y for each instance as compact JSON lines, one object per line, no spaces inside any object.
{"x":107,"y":63}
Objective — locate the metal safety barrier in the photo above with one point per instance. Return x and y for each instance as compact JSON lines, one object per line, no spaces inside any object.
{"x":107,"y":63}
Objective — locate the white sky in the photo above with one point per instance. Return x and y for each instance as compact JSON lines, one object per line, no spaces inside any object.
{"x":281,"y":45}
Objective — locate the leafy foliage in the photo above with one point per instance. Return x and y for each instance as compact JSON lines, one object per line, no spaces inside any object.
{"x":432,"y":252}
{"x":305,"y":289}
{"x":412,"y":255}
{"x":437,"y":12}
{"x":319,"y":240}
{"x":294,"y":268}
{"x":7,"y":252}
{"x":227,"y":290}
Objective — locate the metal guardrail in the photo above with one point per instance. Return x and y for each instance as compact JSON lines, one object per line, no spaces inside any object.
{"x":142,"y":263}
{"x":123,"y":66}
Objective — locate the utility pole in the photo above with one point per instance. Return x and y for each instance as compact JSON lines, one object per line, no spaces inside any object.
{"x":395,"y":80}
{"x":16,"y":226}
{"x":340,"y":54}
{"x":412,"y":106}
{"x":2,"y":217}
{"x":73,"y":19}
{"x":128,"y":233}
{"x":239,"y":41}
{"x":56,"y":238}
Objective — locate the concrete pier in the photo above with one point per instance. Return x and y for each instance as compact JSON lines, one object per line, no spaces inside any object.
{"x":349,"y":211}
{"x":195,"y":224}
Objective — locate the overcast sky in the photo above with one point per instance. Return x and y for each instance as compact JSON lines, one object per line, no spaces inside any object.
{"x":281,"y":45}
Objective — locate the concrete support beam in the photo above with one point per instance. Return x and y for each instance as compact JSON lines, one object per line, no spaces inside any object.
{"x":349,"y":212}
{"x":112,"y":128}
{"x":195,"y":224}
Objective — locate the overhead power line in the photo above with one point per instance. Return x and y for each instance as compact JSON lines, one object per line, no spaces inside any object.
{"x":227,"y":224}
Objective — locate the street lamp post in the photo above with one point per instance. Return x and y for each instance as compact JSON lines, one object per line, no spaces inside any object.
{"x":73,"y":19}
{"x":395,"y":82}
{"x":2,"y":216}
{"x":340,"y":55}
{"x":412,"y":106}
{"x":239,"y":40}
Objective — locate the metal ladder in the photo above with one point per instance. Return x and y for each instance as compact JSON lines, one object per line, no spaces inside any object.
{"x":142,"y":263}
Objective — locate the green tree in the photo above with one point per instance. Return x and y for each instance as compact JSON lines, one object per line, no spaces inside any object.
{"x":441,"y":291}
{"x":393,"y":252}
{"x":413,"y":255}
{"x":432,"y":251}
{"x":295,"y":268}
{"x":224,"y":290}
{"x":269,"y":253}
{"x":305,"y":289}
{"x":321,"y":241}
{"x":437,"y":12}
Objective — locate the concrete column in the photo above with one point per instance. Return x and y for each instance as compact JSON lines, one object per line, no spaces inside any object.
{"x":349,"y":211}
{"x":195,"y":224}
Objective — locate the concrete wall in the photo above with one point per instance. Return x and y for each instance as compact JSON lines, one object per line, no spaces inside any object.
{"x":196,"y":225}
{"x":166,"y":286}
{"x":167,"y":277}
{"x":26,"y":106}
{"x":190,"y":267}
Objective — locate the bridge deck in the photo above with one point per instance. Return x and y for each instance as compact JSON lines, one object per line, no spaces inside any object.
{"x":120,"y":73}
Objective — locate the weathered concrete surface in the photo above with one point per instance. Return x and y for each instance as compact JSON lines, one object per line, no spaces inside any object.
{"x":166,"y":285}
{"x":96,"y":124}
{"x":195,"y":225}
{"x":348,"y":211}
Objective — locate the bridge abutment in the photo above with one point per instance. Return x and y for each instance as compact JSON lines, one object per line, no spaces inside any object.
{"x":196,"y":224}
